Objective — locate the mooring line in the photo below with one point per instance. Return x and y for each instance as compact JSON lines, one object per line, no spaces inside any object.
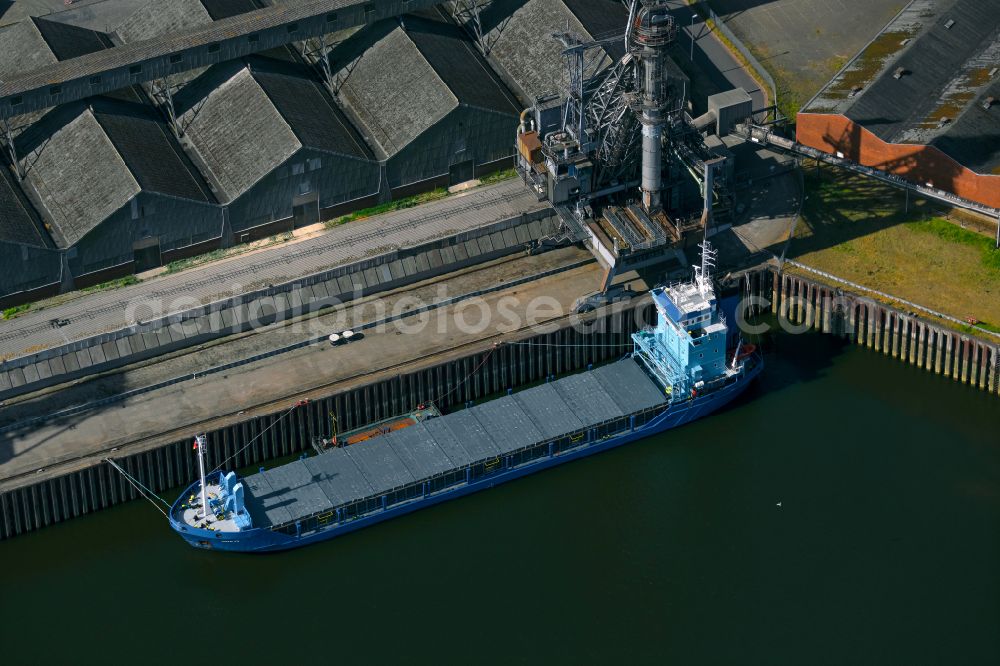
{"x":261,"y":434}
{"x":467,"y":377}
{"x":141,"y":489}
{"x":556,"y":344}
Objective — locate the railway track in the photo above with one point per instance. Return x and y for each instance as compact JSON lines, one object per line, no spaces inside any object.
{"x":241,"y":271}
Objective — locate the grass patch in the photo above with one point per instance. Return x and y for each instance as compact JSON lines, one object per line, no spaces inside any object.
{"x":988,"y":326}
{"x":214,"y":255}
{"x":858,"y":230}
{"x":398,"y":204}
{"x":10,"y":313}
{"x":953,"y":233}
{"x":112,"y":284}
{"x":498,"y":176}
{"x":222,"y":253}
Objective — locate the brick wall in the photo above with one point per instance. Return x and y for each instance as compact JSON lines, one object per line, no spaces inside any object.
{"x":920,"y":164}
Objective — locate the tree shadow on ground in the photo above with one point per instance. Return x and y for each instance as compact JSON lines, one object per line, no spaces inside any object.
{"x":839,"y":207}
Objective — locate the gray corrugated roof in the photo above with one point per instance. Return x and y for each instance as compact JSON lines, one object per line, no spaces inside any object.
{"x":306,"y":107}
{"x":161,"y":19}
{"x":456,"y":60}
{"x":602,"y":19}
{"x":395,"y":103}
{"x":22,"y":49}
{"x":70,"y":41}
{"x":520,"y":35}
{"x":243,"y":24}
{"x":98,"y":16}
{"x":76,"y":172}
{"x":946,"y":75}
{"x":220,"y":9}
{"x":236,"y":129}
{"x":974,"y":140}
{"x":17,"y":220}
{"x":149,"y":149}
{"x":156,"y":19}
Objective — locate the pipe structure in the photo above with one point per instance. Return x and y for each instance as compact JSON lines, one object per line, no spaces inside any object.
{"x":652,"y":30}
{"x":709,"y":195}
{"x":200,"y":441}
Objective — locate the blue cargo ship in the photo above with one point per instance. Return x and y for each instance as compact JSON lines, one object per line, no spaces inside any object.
{"x":680,"y":369}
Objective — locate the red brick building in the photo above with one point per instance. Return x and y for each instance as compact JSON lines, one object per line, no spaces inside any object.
{"x":922,"y":100}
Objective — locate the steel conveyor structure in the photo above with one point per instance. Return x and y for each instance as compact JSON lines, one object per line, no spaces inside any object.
{"x":201,"y":46}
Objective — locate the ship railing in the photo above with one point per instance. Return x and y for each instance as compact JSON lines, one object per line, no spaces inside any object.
{"x":480,"y":469}
{"x":662,"y":359}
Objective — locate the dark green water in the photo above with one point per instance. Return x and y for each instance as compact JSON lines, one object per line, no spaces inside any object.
{"x":886,"y":549}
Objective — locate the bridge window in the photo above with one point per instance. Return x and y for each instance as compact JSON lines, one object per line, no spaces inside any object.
{"x":214,"y":48}
{"x":292,"y":27}
{"x":253,"y":39}
{"x":135,"y":69}
{"x":55,"y":90}
{"x":16,"y":101}
{"x":95,"y":80}
{"x":331,"y":18}
{"x":176,"y":58}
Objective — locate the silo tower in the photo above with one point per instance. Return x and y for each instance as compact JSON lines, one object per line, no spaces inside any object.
{"x":650,"y":32}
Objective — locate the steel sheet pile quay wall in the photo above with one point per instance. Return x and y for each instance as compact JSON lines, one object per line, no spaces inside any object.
{"x":414,"y":462}
{"x":24,"y":508}
{"x":908,"y":336}
{"x":199,"y":46}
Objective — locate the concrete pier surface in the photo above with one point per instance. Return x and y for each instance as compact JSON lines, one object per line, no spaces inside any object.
{"x":37,"y":452}
{"x":99,"y":312}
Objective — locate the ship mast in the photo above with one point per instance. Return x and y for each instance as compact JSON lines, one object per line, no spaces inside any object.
{"x":200,"y":441}
{"x":703,"y":273}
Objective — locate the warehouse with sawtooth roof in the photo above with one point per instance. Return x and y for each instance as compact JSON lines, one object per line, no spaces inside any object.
{"x":242,"y":150}
{"x":274,"y":146}
{"x":22,"y":49}
{"x":114,"y":188}
{"x":518,"y":37}
{"x":29,"y":261}
{"x":442,"y":118}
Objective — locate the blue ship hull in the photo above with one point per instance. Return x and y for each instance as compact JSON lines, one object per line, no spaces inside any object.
{"x":267,"y":540}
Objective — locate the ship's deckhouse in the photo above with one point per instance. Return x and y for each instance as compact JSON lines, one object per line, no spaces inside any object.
{"x":687,"y":348}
